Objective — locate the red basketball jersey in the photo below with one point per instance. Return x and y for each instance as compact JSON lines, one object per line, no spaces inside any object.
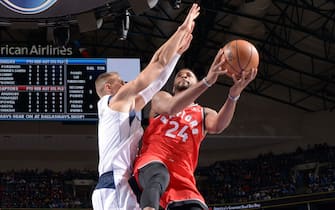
{"x":175,"y":140}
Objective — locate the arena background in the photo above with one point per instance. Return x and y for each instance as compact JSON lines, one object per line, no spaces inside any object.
{"x":290,"y":104}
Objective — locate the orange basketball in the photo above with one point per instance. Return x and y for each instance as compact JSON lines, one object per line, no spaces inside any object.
{"x":240,"y":56}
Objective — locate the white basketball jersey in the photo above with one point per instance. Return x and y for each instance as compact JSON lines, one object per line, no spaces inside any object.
{"x":118,"y":139}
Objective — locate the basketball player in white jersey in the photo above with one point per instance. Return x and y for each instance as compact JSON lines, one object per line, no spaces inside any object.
{"x":119,"y":129}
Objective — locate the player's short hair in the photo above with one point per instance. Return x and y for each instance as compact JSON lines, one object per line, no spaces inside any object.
{"x":101,"y":80}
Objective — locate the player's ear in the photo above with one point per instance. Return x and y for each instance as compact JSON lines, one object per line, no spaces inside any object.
{"x":108,"y":86}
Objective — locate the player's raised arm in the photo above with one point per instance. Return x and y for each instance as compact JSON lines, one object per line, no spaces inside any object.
{"x":217,"y":122}
{"x":146,"y":94}
{"x":165,"y":103}
{"x":164,"y":54}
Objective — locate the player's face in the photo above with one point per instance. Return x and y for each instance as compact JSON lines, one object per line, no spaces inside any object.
{"x":184,"y":79}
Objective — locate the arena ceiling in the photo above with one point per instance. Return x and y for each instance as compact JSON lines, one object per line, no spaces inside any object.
{"x":295,"y":40}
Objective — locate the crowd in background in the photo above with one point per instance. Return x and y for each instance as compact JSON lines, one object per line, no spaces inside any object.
{"x":266,"y":177}
{"x":44,"y":189}
{"x":269,"y":176}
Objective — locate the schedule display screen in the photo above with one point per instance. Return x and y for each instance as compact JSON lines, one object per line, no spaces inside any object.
{"x":55,"y":88}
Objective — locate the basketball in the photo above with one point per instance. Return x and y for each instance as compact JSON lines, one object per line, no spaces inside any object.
{"x":240,"y":56}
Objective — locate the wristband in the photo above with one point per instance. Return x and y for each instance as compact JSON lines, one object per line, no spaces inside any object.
{"x":204,"y":80}
{"x":233,"y":98}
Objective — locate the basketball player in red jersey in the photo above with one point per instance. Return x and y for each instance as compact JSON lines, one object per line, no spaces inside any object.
{"x":164,"y":168}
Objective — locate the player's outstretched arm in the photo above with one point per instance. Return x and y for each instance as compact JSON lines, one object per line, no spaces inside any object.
{"x":146,"y":94}
{"x":167,"y":51}
{"x":217,"y":122}
{"x":127,"y":96}
{"x":165,"y":103}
